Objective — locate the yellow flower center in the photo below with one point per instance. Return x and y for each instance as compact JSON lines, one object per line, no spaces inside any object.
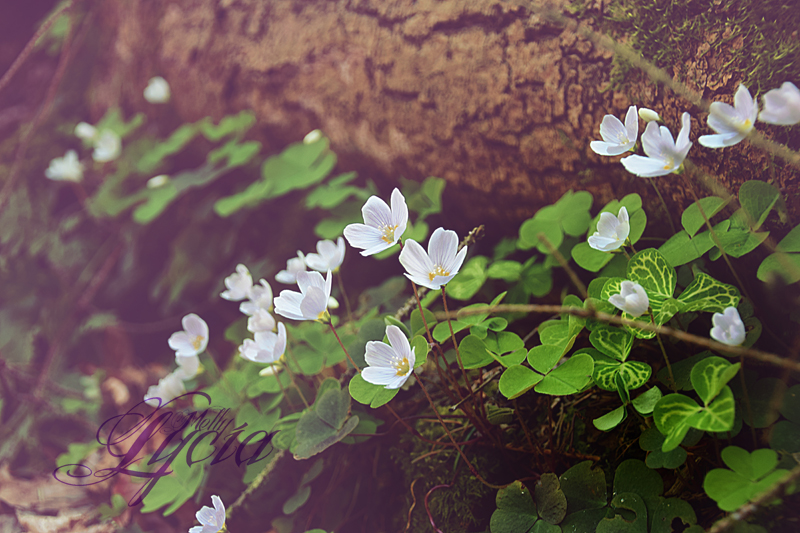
{"x":670,"y":163}
{"x":197,"y":342}
{"x":402,"y":366}
{"x":745,"y":126}
{"x":437,"y":271}
{"x":388,"y":233}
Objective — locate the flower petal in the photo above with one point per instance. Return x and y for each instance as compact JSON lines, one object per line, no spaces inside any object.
{"x":398,"y":340}
{"x":425,"y":281}
{"x":723,"y":118}
{"x":667,"y":143}
{"x":305,"y":280}
{"x":195,"y":325}
{"x":261,"y":294}
{"x":415,"y":260}
{"x":632,"y":124}
{"x":205,"y":515}
{"x":153,"y":396}
{"x":721,"y":140}
{"x":261,"y":320}
{"x":442,"y":246}
{"x":379,"y":375}
{"x":219,"y":509}
{"x":316,"y":262}
{"x":338,"y":258}
{"x":607,"y":225}
{"x":265,"y":349}
{"x":378,"y":353}
{"x":314,"y":303}
{"x":623,"y":231}
{"x":288,"y":305}
{"x":399,"y":212}
{"x":280,"y":345}
{"x":617,"y":300}
{"x":603,"y":244}
{"x":745,"y":104}
{"x":645,"y":167}
{"x":376,"y":213}
{"x":249,"y":308}
{"x":266,"y":340}
{"x":623,"y":215}
{"x":284,"y":276}
{"x":612,"y":130}
{"x":438,"y":281}
{"x":363,"y":236}
{"x":610,"y":149}
{"x":188,"y":366}
{"x":651,"y":140}
{"x":249,"y":350}
{"x":326,"y":248}
{"x":316,"y":280}
{"x":398,"y":381}
{"x":383,"y":245}
{"x":181,"y":342}
{"x":454,"y":265}
{"x":328,"y":286}
{"x":682,"y":142}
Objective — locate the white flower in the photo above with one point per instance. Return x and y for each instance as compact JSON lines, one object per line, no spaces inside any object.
{"x":648,"y":115}
{"x":157,"y":91}
{"x":213,"y":520}
{"x":157,"y":181}
{"x":66,"y":168}
{"x":632,"y":299}
{"x":312,"y":137}
{"x":329,"y":256}
{"x":389,"y":365}
{"x":312,"y":300}
{"x":617,"y":139}
{"x":732,"y":123}
{"x":85,"y":131}
{"x":267,"y":347}
{"x":193,"y":339}
{"x":188,"y":366}
{"x":382,"y":226}
{"x":781,"y":106}
{"x":261,"y":320}
{"x":239,"y":284}
{"x":612,"y":231}
{"x":664,"y":155}
{"x":106,"y":143}
{"x":728,"y":327}
{"x":259,"y":297}
{"x":439,"y":265}
{"x":107,"y":147}
{"x":293,"y":266}
{"x":169,"y":387}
